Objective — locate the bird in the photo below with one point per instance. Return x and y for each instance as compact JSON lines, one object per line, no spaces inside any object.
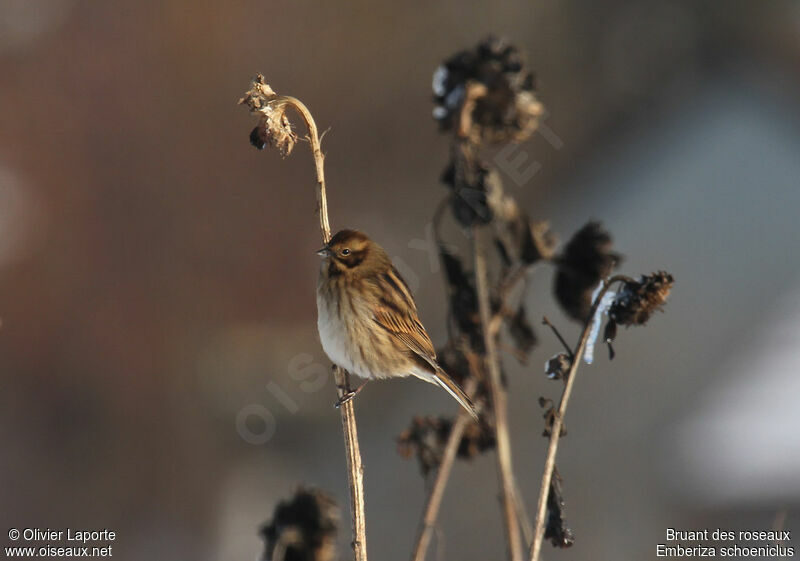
{"x":367,"y":317}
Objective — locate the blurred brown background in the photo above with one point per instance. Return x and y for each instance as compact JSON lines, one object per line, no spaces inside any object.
{"x":157,"y":273}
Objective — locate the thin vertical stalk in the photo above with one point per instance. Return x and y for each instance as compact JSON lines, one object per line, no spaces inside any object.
{"x":498,"y":397}
{"x":558,"y":422}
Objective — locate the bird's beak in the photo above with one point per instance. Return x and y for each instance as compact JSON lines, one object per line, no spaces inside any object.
{"x":324,"y":252}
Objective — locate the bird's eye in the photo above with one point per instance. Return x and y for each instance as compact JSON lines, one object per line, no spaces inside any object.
{"x":345,"y":252}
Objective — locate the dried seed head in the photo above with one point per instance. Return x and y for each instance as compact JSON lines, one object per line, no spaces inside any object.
{"x":427,"y":436}
{"x":274,"y":128}
{"x":557,"y":367}
{"x":637,"y":300}
{"x":275,"y":131}
{"x":506,"y":109}
{"x":586,"y":260}
{"x":303,"y":528}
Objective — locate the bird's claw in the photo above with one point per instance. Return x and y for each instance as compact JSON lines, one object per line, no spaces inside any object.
{"x":348,"y":396}
{"x":344,"y":399}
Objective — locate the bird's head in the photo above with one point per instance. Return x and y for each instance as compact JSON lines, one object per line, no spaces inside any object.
{"x":351,"y":250}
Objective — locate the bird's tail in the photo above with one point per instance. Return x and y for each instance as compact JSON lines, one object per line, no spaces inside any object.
{"x":445,"y":381}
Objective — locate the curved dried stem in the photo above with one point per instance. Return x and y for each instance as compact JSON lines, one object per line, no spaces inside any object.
{"x":281,"y":101}
{"x":558,"y":421}
{"x":262,"y":100}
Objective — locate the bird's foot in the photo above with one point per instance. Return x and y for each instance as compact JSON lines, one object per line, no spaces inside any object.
{"x":348,"y":396}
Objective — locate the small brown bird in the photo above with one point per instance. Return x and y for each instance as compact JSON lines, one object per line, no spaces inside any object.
{"x":367,"y":318}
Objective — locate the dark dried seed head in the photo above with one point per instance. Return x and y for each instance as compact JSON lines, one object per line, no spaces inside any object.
{"x":302,"y":528}
{"x":586,"y":260}
{"x":638,"y":300}
{"x":427,"y":436}
{"x":507,"y":110}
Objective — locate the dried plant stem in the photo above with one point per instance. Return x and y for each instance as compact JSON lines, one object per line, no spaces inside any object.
{"x":319,"y":159}
{"x":556,"y":332}
{"x":498,"y":397}
{"x":341,"y":377}
{"x":522,"y":515}
{"x":354,"y":465}
{"x":436,"y":493}
{"x":558,"y":422}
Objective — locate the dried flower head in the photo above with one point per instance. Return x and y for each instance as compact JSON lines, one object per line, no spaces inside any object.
{"x":586,"y":260}
{"x":637,"y":300}
{"x":427,"y":436}
{"x":506,"y":108}
{"x":274,"y":128}
{"x":557,"y":367}
{"x":303,"y":528}
{"x":557,"y":530}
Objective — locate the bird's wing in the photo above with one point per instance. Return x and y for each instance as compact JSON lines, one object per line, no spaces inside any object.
{"x":409,"y":330}
{"x":396,"y":312}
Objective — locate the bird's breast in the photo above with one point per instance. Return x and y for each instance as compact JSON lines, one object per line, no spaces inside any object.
{"x":349,"y":334}
{"x":332,"y":330}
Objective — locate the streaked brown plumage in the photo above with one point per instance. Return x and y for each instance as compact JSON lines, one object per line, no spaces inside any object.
{"x":367,"y":317}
